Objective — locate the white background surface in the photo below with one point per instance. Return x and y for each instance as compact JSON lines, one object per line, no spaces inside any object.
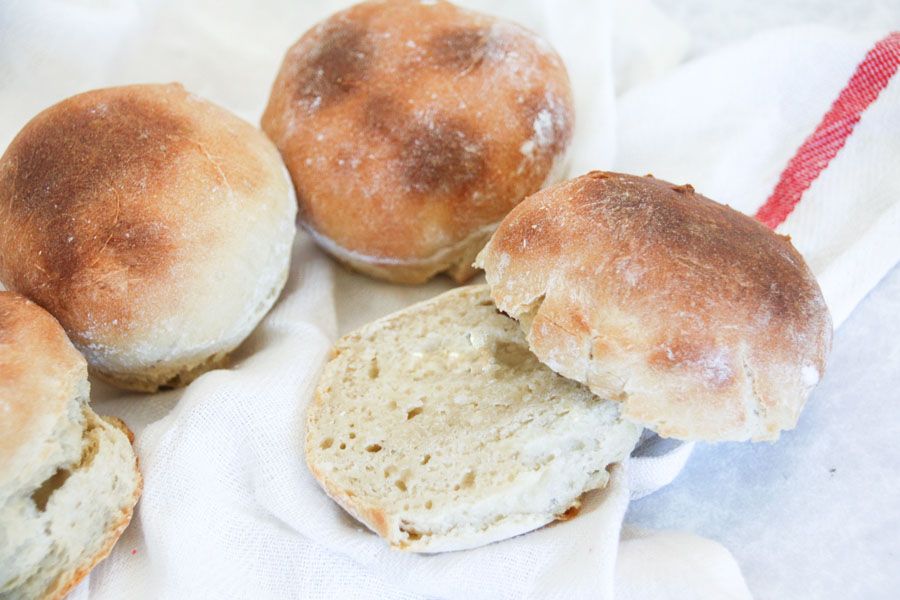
{"x":815,"y":515}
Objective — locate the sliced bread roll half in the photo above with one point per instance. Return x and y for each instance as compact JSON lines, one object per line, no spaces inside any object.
{"x":438,"y":429}
{"x":68,"y":478}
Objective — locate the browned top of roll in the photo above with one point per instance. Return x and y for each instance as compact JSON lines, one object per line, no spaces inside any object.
{"x":407,"y":126}
{"x":703,"y":322}
{"x":123,"y":209}
{"x":40,"y":374}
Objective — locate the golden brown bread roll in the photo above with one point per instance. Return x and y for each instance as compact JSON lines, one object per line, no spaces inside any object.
{"x":701,"y":321}
{"x":154,"y":225}
{"x":411,"y":128}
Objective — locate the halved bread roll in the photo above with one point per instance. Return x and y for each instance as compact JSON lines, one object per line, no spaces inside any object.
{"x":450,"y":424}
{"x":439,"y":430}
{"x":68,"y":478}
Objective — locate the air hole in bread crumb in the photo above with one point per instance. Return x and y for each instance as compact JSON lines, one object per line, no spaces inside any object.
{"x":411,"y":533}
{"x":343,"y":446}
{"x":41,"y":496}
{"x":352,"y":435}
{"x":326,"y":443}
{"x":401,"y":485}
{"x":425,"y":459}
{"x":374,"y":371}
{"x":468,"y":480}
{"x":90,"y":446}
{"x":510,"y":354}
{"x":414,"y":413}
{"x":485,"y":303}
{"x":428,"y":505}
{"x":373,"y":448}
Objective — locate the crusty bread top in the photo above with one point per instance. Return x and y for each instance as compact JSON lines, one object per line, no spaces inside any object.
{"x":40,"y":374}
{"x":122,"y":210}
{"x":407,"y":125}
{"x":703,"y":322}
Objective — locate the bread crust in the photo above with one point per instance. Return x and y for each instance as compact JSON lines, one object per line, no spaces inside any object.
{"x":124,"y":210}
{"x":456,"y":261}
{"x":410,"y":127}
{"x":701,"y":321}
{"x":156,"y":380}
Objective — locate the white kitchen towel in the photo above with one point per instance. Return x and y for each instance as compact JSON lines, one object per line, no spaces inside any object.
{"x":229,"y":510}
{"x":653,"y":565}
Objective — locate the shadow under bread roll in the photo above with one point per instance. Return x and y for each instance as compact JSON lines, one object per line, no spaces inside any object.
{"x":69,"y":479}
{"x":154,"y":225}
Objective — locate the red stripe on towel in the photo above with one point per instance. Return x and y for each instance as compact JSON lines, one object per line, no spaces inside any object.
{"x":871,"y":76}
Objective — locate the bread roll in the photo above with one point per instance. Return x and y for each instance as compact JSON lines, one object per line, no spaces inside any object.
{"x":68,"y":478}
{"x":411,"y":128}
{"x":702,"y":322}
{"x":439,"y":430}
{"x":156,"y":226}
